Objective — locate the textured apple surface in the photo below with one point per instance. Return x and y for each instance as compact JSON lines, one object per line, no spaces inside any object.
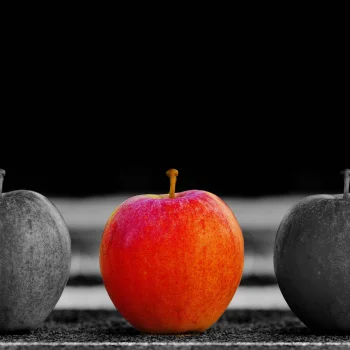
{"x":312,"y":261}
{"x":172,"y":265}
{"x":35,"y":253}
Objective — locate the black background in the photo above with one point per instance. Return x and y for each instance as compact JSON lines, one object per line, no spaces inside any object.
{"x":142,"y":178}
{"x":261,"y":110}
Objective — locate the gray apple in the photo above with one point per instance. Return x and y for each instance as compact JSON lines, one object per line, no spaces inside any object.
{"x":312,"y":260}
{"x":35,"y":258}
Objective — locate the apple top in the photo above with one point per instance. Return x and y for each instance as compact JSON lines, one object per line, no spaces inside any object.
{"x":2,"y":175}
{"x":172,"y":174}
{"x":346,"y":173}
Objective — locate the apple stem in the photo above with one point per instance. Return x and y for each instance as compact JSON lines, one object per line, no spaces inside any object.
{"x":2,"y":174}
{"x":346,"y":173}
{"x":172,"y":174}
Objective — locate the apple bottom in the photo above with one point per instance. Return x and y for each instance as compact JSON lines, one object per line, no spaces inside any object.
{"x":170,"y":302}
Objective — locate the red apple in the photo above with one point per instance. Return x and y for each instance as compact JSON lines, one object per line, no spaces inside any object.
{"x":35,"y":252}
{"x":312,"y":260}
{"x":171,"y":263}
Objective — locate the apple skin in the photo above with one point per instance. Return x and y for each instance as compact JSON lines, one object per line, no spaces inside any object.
{"x":35,"y":258}
{"x":172,"y":265}
{"x":312,"y":261}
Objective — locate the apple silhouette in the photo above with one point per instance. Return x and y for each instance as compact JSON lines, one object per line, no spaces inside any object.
{"x":35,"y":257}
{"x":171,"y":263}
{"x":312,"y":260}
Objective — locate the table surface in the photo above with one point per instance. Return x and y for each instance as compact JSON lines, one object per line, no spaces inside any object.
{"x":239,"y":328}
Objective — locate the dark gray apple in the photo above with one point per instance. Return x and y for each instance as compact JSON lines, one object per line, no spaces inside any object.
{"x":35,"y":258}
{"x":312,"y":260}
